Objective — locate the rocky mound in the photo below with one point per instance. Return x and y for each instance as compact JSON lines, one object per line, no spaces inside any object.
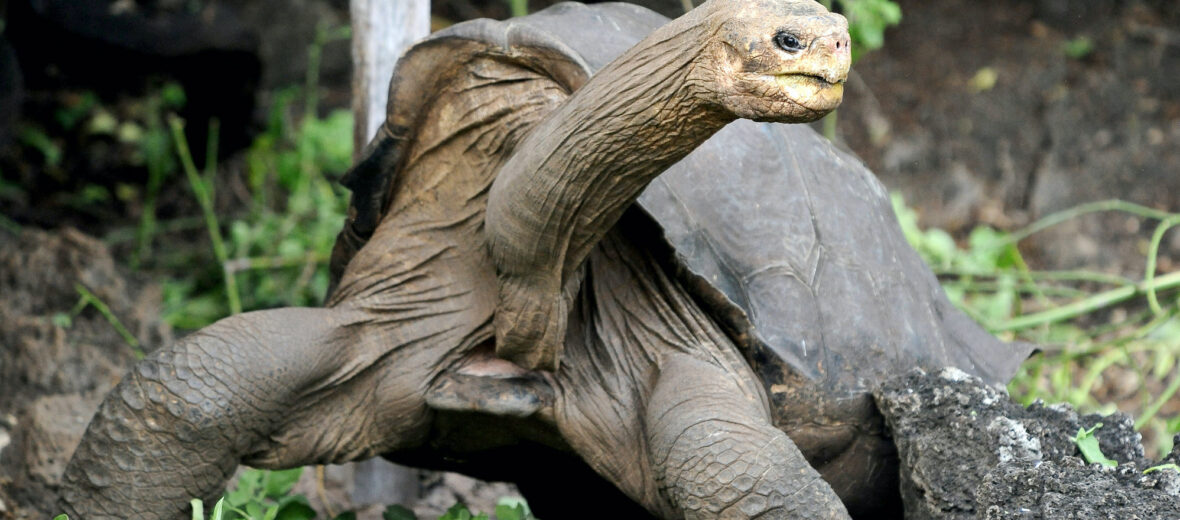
{"x":969,"y":452}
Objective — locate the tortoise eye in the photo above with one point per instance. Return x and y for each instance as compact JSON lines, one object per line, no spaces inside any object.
{"x":788,"y":42}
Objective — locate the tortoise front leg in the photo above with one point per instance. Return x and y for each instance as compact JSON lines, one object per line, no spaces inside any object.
{"x":574,"y":175}
{"x":278,"y":388}
{"x":716,"y":454}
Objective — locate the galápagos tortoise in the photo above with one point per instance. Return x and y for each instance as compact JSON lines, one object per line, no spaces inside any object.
{"x":722,"y":336}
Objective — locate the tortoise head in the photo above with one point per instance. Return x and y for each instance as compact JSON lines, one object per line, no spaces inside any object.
{"x":776,"y":60}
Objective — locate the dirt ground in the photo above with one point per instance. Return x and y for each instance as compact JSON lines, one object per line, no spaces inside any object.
{"x":977,"y":113}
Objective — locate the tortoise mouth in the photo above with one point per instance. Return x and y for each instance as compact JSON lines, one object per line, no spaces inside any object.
{"x":819,"y":79}
{"x":811,"y":90}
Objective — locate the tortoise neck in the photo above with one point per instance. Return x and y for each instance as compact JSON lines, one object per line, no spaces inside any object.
{"x":576,"y":173}
{"x":593,"y":156}
{"x":641,"y":113}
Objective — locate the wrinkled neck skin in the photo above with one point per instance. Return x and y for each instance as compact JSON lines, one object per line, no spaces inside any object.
{"x":590,"y":159}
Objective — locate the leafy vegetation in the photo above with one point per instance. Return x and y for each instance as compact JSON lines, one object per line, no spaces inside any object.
{"x":1092,"y":328}
{"x":273,"y":252}
{"x":867,"y":21}
{"x":262,"y":495}
{"x":265,"y":495}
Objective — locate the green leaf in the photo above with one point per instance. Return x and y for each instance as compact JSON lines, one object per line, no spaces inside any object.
{"x":76,"y":108}
{"x":1172,"y":467}
{"x":279,"y":483}
{"x":1078,"y":48}
{"x":867,"y":21}
{"x":513,"y":508}
{"x":198,"y":509}
{"x":296,"y":510}
{"x":247,"y":490}
{"x":983,"y":80}
{"x":254,"y":510}
{"x":36,"y":138}
{"x":102,"y":123}
{"x":506,"y":512}
{"x":173,"y":96}
{"x":61,"y":517}
{"x":218,"y":510}
{"x":398,"y":512}
{"x":1088,"y":444}
{"x":456,"y":512}
{"x":62,"y":320}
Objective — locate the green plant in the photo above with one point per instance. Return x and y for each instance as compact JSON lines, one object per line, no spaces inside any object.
{"x":867,"y":21}
{"x":1089,"y":325}
{"x":155,"y":149}
{"x":35,"y":137}
{"x":518,"y":7}
{"x":274,"y":253}
{"x":1088,"y":444}
{"x":88,"y":299}
{"x":266,"y":495}
{"x":1078,"y":48}
{"x":506,"y":509}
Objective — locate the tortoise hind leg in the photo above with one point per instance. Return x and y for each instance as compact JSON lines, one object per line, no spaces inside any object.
{"x":277,"y":388}
{"x":716,"y":455}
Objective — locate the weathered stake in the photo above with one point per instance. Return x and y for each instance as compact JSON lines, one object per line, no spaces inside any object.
{"x":381,"y":31}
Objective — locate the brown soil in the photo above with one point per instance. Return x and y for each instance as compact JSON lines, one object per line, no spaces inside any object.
{"x":1052,"y":132}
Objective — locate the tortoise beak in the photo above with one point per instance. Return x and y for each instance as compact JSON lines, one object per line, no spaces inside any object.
{"x":811,"y":91}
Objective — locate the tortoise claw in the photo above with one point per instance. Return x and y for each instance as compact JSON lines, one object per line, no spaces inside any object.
{"x":517,"y":396}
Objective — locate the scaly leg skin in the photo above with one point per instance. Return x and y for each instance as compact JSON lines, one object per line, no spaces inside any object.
{"x":244,"y":389}
{"x":716,"y":455}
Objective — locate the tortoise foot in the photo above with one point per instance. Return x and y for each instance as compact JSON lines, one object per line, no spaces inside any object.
{"x":530,"y":324}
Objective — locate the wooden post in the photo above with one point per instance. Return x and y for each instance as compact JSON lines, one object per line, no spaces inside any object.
{"x":381,"y":31}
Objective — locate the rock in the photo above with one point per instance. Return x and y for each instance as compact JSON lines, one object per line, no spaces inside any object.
{"x":1069,"y":489}
{"x":969,"y":452}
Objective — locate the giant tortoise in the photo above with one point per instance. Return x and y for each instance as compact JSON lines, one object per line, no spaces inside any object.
{"x":707,"y":351}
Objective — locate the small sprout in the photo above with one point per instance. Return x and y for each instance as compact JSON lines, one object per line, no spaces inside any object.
{"x":64,"y":321}
{"x":62,"y":517}
{"x":1078,"y":48}
{"x":984,"y":80}
{"x":218,"y":510}
{"x":1088,"y":444}
{"x":102,"y":123}
{"x":1172,"y":467}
